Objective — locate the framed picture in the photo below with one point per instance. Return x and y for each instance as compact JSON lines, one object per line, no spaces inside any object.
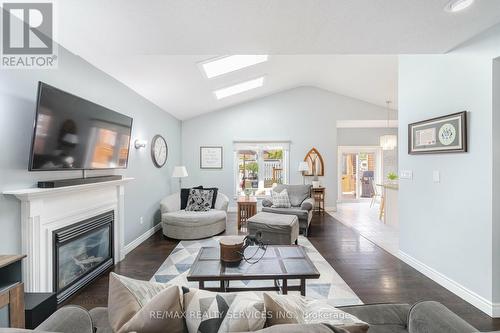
{"x":447,"y":134}
{"x":211,"y":157}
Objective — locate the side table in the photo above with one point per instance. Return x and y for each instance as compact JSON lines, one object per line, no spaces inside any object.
{"x":318,"y":194}
{"x":11,"y":291}
{"x":247,"y":207}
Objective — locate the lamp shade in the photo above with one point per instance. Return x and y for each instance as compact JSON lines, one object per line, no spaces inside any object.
{"x":180,"y":172}
{"x":303,"y":166}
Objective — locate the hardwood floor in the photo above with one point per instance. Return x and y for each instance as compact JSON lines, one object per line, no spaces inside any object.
{"x":373,"y":274}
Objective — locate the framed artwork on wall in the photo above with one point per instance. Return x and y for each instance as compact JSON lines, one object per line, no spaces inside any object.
{"x":446,"y":134}
{"x":211,"y":157}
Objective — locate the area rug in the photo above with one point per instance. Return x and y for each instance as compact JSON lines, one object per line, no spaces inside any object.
{"x":329,"y":286}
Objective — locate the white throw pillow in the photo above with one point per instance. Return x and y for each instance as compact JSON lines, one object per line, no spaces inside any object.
{"x":292,"y":309}
{"x":141,"y":306}
{"x":212,"y":312}
{"x":280,"y":200}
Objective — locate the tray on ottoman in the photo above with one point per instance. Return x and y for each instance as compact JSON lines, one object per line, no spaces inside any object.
{"x":276,"y":229}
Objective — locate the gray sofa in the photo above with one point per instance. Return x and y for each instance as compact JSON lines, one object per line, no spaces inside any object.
{"x":302,"y":204}
{"x":423,"y":317}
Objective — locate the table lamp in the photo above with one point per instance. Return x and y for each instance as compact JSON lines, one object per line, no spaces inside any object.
{"x":180,"y":172}
{"x":303,"y":167}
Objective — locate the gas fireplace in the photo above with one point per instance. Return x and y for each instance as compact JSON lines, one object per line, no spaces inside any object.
{"x":81,"y":252}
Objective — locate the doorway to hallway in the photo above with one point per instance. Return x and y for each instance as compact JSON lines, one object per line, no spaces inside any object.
{"x":360,"y":176}
{"x":360,"y":168}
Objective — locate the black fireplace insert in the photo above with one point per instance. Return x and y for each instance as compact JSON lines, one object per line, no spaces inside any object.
{"x":82,"y":252}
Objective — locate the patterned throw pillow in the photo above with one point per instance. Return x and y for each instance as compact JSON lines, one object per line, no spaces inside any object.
{"x":143,"y":306}
{"x":199,"y":200}
{"x":293,"y":309}
{"x":281,"y":200}
{"x":211,"y":312}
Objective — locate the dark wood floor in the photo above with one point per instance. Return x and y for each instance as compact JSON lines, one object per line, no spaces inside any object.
{"x":373,"y":274}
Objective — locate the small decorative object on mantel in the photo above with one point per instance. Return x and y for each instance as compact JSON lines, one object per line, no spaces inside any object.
{"x":447,"y":134}
{"x":315,"y":162}
{"x":159,"y":151}
{"x":211,"y":157}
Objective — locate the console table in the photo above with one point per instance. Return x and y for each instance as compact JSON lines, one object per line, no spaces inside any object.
{"x":11,"y":291}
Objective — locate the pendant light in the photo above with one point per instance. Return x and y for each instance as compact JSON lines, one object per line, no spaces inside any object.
{"x":388,"y":141}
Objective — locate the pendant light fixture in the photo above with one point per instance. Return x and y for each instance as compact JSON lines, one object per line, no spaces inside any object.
{"x":388,"y":141}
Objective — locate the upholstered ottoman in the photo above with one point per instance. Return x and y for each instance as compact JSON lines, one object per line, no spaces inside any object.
{"x":276,"y":229}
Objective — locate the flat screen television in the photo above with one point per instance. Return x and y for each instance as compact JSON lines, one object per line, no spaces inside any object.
{"x":71,"y":133}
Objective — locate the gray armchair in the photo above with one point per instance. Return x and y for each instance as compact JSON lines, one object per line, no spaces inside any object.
{"x":301,"y":201}
{"x":184,"y":225}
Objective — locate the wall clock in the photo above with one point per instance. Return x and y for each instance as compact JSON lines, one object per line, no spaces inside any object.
{"x":159,"y":151}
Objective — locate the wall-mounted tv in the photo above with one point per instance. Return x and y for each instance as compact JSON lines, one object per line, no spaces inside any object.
{"x":71,"y":133}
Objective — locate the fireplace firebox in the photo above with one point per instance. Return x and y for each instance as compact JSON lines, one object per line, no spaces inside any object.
{"x":82,"y":251}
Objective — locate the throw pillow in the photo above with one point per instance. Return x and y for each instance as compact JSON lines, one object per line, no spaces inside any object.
{"x":185,"y":196}
{"x":199,"y":200}
{"x":211,"y":312}
{"x":143,"y":306}
{"x":292,"y":309}
{"x":214,"y":199}
{"x":281,"y":200}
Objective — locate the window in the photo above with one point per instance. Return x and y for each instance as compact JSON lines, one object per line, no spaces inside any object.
{"x":258,"y":166}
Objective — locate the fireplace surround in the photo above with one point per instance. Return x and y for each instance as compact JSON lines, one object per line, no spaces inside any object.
{"x":46,"y":212}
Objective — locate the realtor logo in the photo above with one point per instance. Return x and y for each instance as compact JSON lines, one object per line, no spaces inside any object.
{"x":27,"y":35}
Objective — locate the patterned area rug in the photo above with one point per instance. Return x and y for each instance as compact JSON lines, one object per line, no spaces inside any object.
{"x":329,"y":286}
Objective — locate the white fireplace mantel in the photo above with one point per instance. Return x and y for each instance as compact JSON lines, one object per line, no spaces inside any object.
{"x":44,"y":210}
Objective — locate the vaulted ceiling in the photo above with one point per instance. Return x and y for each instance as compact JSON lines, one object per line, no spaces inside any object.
{"x":155,"y":46}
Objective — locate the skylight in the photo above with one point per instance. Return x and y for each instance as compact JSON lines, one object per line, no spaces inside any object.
{"x":239,"y":88}
{"x":231,"y":63}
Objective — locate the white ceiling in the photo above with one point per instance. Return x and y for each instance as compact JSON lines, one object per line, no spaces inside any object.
{"x":268,"y":26}
{"x":154,"y":46}
{"x":177,"y":85}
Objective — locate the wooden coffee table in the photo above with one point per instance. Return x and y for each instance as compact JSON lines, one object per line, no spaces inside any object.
{"x":279,"y":264}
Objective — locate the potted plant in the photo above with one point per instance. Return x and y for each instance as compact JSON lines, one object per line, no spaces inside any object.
{"x":248,"y":192}
{"x":392,"y":177}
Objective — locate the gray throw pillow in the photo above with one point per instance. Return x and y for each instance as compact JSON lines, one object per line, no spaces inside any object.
{"x":199,"y":200}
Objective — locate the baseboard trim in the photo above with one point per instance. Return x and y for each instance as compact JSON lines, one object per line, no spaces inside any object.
{"x":491,"y":309}
{"x":138,"y":241}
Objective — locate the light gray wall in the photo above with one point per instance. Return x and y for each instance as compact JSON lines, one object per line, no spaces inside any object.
{"x":17,"y":109}
{"x":362,"y":136}
{"x":370,"y":137}
{"x":496,"y":181}
{"x":448,"y":225}
{"x":306,"y":116}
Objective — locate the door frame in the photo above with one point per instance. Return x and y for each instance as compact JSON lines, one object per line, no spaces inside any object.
{"x":356,"y":150}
